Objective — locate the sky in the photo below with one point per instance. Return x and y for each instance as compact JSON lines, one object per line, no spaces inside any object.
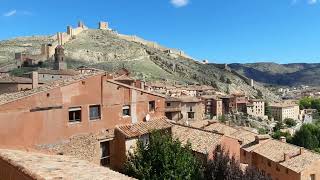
{"x":221,"y":31}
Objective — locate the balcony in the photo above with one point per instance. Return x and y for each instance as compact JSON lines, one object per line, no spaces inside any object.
{"x":172,"y":109}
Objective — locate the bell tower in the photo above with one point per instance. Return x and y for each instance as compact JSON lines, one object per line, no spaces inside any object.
{"x":59,"y":59}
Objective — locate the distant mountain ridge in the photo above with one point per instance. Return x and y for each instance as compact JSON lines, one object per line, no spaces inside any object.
{"x":281,"y":74}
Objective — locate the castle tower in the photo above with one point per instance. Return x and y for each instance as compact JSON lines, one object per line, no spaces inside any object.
{"x":103,"y":25}
{"x":81,"y":24}
{"x":59,"y":59}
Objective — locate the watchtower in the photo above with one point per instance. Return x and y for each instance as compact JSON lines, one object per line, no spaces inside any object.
{"x":59,"y":59}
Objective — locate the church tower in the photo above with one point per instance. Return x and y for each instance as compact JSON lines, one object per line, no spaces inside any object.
{"x":59,"y":59}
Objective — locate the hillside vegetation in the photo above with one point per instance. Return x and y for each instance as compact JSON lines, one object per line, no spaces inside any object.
{"x":106,"y":50}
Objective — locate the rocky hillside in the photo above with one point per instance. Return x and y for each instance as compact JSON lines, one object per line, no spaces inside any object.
{"x":106,"y":50}
{"x":281,"y":74}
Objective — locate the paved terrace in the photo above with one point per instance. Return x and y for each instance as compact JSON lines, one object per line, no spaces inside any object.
{"x":43,"y":166}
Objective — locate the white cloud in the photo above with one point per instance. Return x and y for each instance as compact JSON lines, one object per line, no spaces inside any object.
{"x":10,"y":13}
{"x":312,"y":1}
{"x":179,"y":3}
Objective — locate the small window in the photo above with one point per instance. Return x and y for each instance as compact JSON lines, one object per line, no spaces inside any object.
{"x":105,"y":153}
{"x":269,"y":163}
{"x":244,"y":153}
{"x":190,"y":115}
{"x":190,"y":108}
{"x":287,"y":171}
{"x":75,"y":114}
{"x":152,"y":106}
{"x":277,"y":168}
{"x":312,"y":177}
{"x":126,"y":110}
{"x":95,"y":112}
{"x":168,"y":104}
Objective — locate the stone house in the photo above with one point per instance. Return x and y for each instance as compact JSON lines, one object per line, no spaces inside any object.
{"x":281,"y":160}
{"x":192,"y":108}
{"x":213,"y":106}
{"x":75,"y":116}
{"x":12,"y":84}
{"x":284,"y":110}
{"x":127,"y":136}
{"x":256,"y":108}
{"x":173,"y":109}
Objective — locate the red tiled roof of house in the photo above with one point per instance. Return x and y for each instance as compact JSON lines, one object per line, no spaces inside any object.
{"x":298,"y":158}
{"x":138,"y":129}
{"x":202,"y":141}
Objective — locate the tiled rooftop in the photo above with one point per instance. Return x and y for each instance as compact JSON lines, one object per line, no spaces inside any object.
{"x":187,"y":99}
{"x":43,"y":166}
{"x":237,"y":132}
{"x":201,"y":141}
{"x":138,"y":129}
{"x":275,"y":150}
{"x":10,"y":97}
{"x":68,"y":72}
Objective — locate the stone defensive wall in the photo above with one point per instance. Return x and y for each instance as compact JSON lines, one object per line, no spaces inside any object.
{"x":152,"y":44}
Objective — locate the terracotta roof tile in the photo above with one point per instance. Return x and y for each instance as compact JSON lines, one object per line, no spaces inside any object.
{"x":10,"y":97}
{"x":202,"y":141}
{"x":274,"y":150}
{"x":69,"y":72}
{"x":43,"y":166}
{"x":237,"y":132}
{"x":138,"y":129}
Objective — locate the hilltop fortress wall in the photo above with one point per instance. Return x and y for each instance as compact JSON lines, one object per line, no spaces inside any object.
{"x":152,"y":45}
{"x":47,"y":50}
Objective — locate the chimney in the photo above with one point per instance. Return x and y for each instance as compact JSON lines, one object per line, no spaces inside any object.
{"x":283,"y":139}
{"x":286,"y":156}
{"x":35,"y":79}
{"x":301,"y":151}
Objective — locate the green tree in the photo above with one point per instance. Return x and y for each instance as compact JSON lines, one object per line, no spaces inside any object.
{"x":315,"y":104}
{"x":222,"y":118}
{"x":290,"y":122}
{"x":163,"y":158}
{"x":278,"y":134}
{"x":278,"y":126}
{"x":225,"y":167}
{"x":305,"y":103}
{"x":259,"y":94}
{"x":267,"y":110}
{"x":305,"y":138}
{"x":262,"y":131}
{"x":222,"y":79}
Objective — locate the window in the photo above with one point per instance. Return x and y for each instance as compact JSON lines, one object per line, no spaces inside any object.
{"x":287,"y":171}
{"x":105,"y":153}
{"x":190,"y":115}
{"x":95,"y":112}
{"x":191,"y":108}
{"x":145,"y":139}
{"x":277,"y":168}
{"x":152,"y":106}
{"x":269,"y":163}
{"x":75,"y":114}
{"x":312,"y":177}
{"x":126,"y":110}
{"x":244,"y":153}
{"x":168,"y":104}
